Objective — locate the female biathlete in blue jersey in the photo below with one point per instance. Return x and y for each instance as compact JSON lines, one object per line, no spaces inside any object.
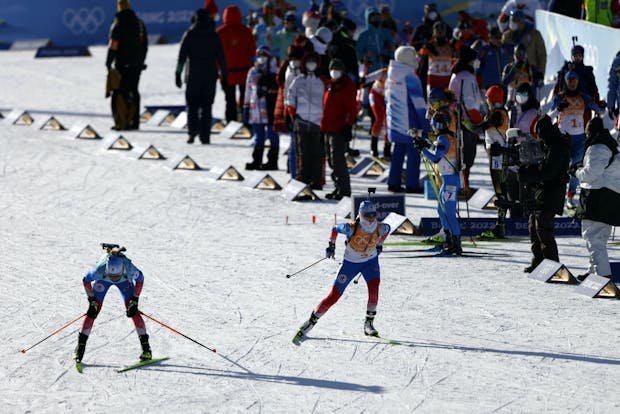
{"x":365,"y":238}
{"x":113,"y":268}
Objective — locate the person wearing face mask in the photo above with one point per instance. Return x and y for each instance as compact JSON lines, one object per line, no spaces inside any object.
{"x":212,"y":10}
{"x":436,"y":60}
{"x":574,"y":110}
{"x":405,"y":109}
{"x":305,"y":107}
{"x":339,"y":112}
{"x":464,"y":85}
{"x":289,"y":69}
{"x":528,"y":7}
{"x":545,"y":183}
{"x":260,"y":98}
{"x":515,"y":74}
{"x":365,"y":237}
{"x":587,"y":83}
{"x":529,"y":109}
{"x":423,"y":32}
{"x":522,"y":32}
{"x":375,"y":43}
{"x":321,"y":40}
{"x":342,"y":47}
{"x":281,"y":120}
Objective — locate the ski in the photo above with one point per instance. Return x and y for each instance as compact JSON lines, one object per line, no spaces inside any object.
{"x":299,"y":338}
{"x":78,"y":366}
{"x":384,"y":340}
{"x":142,"y":363}
{"x":447,"y":255}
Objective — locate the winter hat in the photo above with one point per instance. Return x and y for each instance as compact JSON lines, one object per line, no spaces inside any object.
{"x":295,"y":52}
{"x":211,"y":7}
{"x":337,"y":64}
{"x":594,"y":127}
{"x":407,"y":55}
{"x":324,"y":34}
{"x":348,"y":24}
{"x":123,"y":5}
{"x":467,"y":54}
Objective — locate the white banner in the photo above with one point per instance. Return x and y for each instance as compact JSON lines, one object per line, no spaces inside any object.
{"x":601,"y":43}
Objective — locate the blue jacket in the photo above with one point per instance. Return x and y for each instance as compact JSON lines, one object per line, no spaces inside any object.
{"x":492,"y":62}
{"x":613,"y":84}
{"x":405,"y":105}
{"x":374,"y":45}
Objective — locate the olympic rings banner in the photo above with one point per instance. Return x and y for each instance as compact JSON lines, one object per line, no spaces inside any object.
{"x":81,"y":22}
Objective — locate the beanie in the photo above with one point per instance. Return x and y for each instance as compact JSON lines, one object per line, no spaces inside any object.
{"x":122,"y":5}
{"x":407,"y":55}
{"x":211,"y":7}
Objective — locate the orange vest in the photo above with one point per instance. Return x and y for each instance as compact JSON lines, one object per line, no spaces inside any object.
{"x":363,"y":242}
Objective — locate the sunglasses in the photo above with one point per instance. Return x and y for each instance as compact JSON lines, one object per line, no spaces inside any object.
{"x":371,"y":214}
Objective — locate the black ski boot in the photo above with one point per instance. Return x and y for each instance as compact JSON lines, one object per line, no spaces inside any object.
{"x":257,"y":159}
{"x":455,"y":247}
{"x":374,"y":146}
{"x":369,"y":329}
{"x":305,"y":328}
{"x":272,"y":160}
{"x":80,"y":348}
{"x":146,"y":348}
{"x":387,"y":150}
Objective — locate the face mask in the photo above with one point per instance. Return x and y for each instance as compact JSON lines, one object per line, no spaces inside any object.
{"x":311,"y":66}
{"x":513,"y":26}
{"x":216,"y":17}
{"x":374,"y":23}
{"x":261,"y":60}
{"x":335,"y":74}
{"x":432,"y":16}
{"x":476,"y":64}
{"x":521,"y":99}
{"x":295,"y":64}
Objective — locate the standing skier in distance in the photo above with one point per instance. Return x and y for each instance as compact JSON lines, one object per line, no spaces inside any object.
{"x":113,"y":268}
{"x":365,"y":238}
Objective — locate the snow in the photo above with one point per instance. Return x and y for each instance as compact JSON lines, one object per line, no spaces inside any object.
{"x":478,"y":335}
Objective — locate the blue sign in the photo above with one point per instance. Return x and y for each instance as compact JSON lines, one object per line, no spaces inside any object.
{"x":563,"y":226}
{"x":386,"y":204}
{"x":77,"y":22}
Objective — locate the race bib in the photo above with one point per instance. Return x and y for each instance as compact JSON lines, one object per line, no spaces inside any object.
{"x":449,"y":193}
{"x":497,"y":162}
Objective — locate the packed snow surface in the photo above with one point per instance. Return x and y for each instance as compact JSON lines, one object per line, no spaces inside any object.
{"x":477,"y":335}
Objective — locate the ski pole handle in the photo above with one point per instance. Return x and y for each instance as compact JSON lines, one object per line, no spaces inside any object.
{"x":23,"y":351}
{"x":357,"y":278}
{"x":177,"y":332}
{"x":288,"y":276}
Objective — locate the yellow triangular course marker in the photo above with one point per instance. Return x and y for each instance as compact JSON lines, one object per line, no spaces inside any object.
{"x":182,"y":162}
{"x":228,"y":173}
{"x":115,"y":141}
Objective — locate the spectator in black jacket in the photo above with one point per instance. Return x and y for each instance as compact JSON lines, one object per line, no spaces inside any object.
{"x":546,"y":182}
{"x":127,"y":51}
{"x":202,"y":46}
{"x":570,"y":8}
{"x":343,"y":47}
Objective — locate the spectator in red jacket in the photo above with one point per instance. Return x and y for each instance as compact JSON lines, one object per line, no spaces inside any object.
{"x":337,"y":122}
{"x":239,"y":47}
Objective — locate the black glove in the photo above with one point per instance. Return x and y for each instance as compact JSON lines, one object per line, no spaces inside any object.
{"x":132,"y":307}
{"x":330,"y":251}
{"x":110,"y":58}
{"x":93,"y":307}
{"x":421,"y":143}
{"x":562,"y":106}
{"x":348,"y":132}
{"x":379,"y":249}
{"x":177,"y":79}
{"x":496,"y":149}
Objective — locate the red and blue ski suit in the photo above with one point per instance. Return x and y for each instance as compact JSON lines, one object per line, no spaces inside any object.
{"x":360,"y":256}
{"x":129,"y":283}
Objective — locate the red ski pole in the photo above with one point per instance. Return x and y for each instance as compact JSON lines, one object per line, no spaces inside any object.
{"x":177,"y":332}
{"x":23,"y":351}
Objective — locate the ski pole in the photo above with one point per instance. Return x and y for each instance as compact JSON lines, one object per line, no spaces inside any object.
{"x":177,"y":332}
{"x":23,"y":351}
{"x":357,"y":278}
{"x":307,"y":267}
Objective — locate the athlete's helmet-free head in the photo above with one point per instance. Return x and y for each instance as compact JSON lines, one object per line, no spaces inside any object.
{"x":368,"y":210}
{"x":115,"y":266}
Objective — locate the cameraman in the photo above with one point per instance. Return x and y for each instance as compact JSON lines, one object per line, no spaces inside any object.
{"x":546,"y":182}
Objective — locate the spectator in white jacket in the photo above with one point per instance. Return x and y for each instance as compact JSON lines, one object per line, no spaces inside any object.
{"x":599,"y":202}
{"x":305,"y":107}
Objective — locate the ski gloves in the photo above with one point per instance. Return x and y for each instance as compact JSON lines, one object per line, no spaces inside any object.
{"x":330,"y":251}
{"x":132,"y":307}
{"x":177,"y":79}
{"x":379,"y":249}
{"x":93,"y":307}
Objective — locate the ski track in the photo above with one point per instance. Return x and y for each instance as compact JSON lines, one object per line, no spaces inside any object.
{"x":477,"y":334}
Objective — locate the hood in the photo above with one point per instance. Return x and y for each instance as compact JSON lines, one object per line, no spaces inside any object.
{"x":232,"y":15}
{"x":368,"y":12}
{"x":202,"y":21}
{"x":548,"y":132}
{"x":308,"y":55}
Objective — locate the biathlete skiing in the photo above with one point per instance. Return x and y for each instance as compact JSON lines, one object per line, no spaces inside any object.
{"x":364,"y":243}
{"x":113,"y":269}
